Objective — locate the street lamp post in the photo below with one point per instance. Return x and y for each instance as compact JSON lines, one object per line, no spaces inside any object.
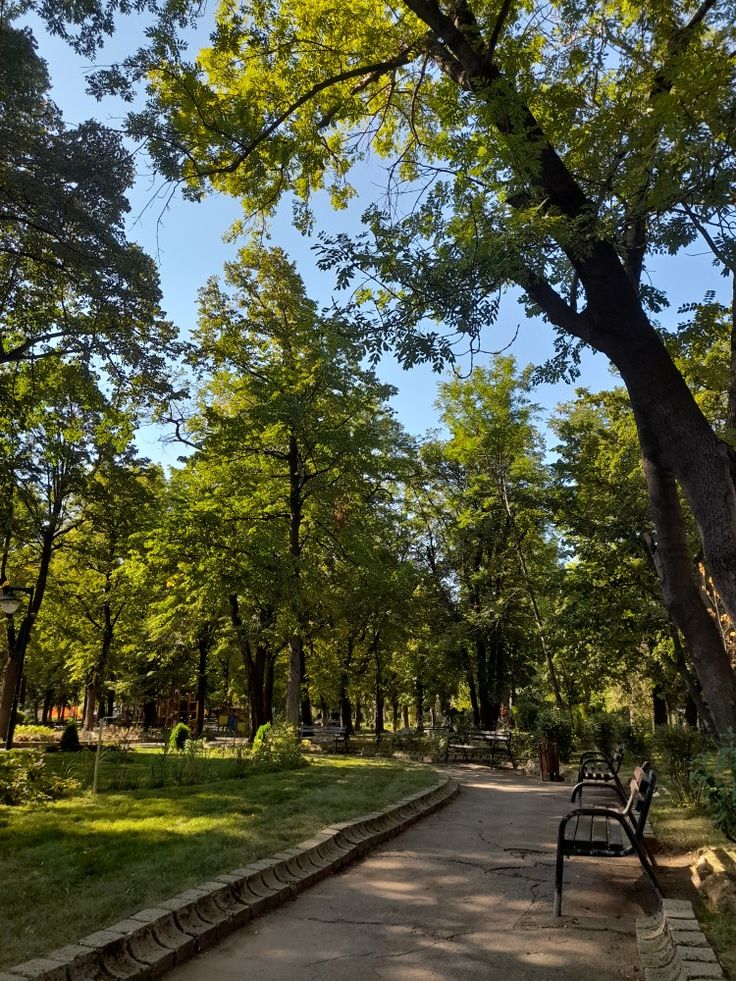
{"x":10,"y":603}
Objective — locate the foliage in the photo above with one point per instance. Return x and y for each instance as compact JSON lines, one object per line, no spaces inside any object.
{"x":25,"y":780}
{"x":72,"y":285}
{"x":35,"y":733}
{"x":526,"y":711}
{"x":607,"y":729}
{"x":713,"y":780}
{"x":524,"y":746}
{"x":178,"y":736}
{"x":69,"y":742}
{"x":676,"y":748}
{"x":278,"y":748}
{"x":419,"y":745}
{"x":554,"y":726}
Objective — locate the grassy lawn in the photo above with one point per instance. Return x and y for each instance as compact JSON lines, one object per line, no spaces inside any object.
{"x":685,"y":830}
{"x":78,"y":865}
{"x":145,"y":768}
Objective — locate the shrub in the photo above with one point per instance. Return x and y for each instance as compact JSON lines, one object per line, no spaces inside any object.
{"x":276,"y":747}
{"x":523,"y":746}
{"x":607,"y":729}
{"x":676,"y":748}
{"x":713,"y":780}
{"x":526,"y":712}
{"x":23,"y":779}
{"x":554,"y":727}
{"x":70,"y":738}
{"x":178,"y":736}
{"x":35,"y":734}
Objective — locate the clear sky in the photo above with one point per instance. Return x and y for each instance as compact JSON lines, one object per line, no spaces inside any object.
{"x":187,"y":241}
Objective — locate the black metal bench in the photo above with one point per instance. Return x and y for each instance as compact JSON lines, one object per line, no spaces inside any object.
{"x":479,"y":744}
{"x":334,"y":736}
{"x":603,"y":832}
{"x":598,"y":769}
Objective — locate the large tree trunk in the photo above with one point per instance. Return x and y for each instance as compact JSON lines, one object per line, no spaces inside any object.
{"x":259,"y":667}
{"x":13,"y":667}
{"x":346,"y":709}
{"x":296,"y":642}
{"x":204,"y":643}
{"x":682,"y":600}
{"x":306,"y":704}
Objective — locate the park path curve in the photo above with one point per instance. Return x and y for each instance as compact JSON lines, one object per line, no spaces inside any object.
{"x":465,"y":894}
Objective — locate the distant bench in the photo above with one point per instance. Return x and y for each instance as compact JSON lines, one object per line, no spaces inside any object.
{"x":336,"y":737}
{"x":479,"y":745}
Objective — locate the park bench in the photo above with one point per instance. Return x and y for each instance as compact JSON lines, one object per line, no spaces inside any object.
{"x":336,"y":737}
{"x":597,"y":769}
{"x":479,"y":745}
{"x":605,"y":832}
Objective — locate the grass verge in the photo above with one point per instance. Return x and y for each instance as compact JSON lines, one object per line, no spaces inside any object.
{"x":78,"y":865}
{"x":685,"y":829}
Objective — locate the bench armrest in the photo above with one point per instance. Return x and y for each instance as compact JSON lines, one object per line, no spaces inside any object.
{"x":577,"y":790}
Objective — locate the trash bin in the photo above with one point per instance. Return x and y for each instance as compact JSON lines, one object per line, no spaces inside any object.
{"x":549,"y":761}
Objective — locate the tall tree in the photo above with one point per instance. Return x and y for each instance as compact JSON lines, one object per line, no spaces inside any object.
{"x":61,"y":427}
{"x":488,"y":482}
{"x":302,"y":428}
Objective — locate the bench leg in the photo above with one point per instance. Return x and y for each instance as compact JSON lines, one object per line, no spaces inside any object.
{"x":559,"y":870}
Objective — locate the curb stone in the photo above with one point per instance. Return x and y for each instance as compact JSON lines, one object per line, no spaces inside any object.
{"x":147,"y":944}
{"x":672,"y":946}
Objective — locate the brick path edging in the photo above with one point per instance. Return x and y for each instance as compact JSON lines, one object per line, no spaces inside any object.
{"x":148,"y":944}
{"x":672,"y":946}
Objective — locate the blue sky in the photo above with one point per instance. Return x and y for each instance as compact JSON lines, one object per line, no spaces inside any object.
{"x":187,"y":241}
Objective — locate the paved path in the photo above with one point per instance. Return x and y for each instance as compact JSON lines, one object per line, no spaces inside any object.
{"x":465,"y":894}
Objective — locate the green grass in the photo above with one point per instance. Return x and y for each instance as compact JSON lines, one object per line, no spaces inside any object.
{"x":682,"y":829}
{"x":76,"y":865}
{"x":143,"y":768}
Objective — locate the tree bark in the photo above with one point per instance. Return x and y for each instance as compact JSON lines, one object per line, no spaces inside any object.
{"x":296,"y":643}
{"x":17,"y":653}
{"x":258,"y":668}
{"x":681,"y":597}
{"x":204,"y":643}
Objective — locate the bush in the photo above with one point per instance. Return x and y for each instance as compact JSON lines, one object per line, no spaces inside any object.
{"x":23,"y":780}
{"x":676,"y":748}
{"x":523,"y":746}
{"x":70,"y":739}
{"x":277,"y":747}
{"x":713,"y":780}
{"x":178,"y":736}
{"x":526,"y":712}
{"x":35,"y":734}
{"x":554,"y":727}
{"x":607,"y":729}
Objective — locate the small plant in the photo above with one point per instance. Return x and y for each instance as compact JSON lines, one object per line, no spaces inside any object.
{"x":24,"y":780}
{"x":70,"y":739}
{"x":676,"y":748}
{"x":179,"y":735}
{"x":713,"y":780}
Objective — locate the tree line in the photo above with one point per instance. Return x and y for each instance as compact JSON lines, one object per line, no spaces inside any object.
{"x":554,"y":147}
